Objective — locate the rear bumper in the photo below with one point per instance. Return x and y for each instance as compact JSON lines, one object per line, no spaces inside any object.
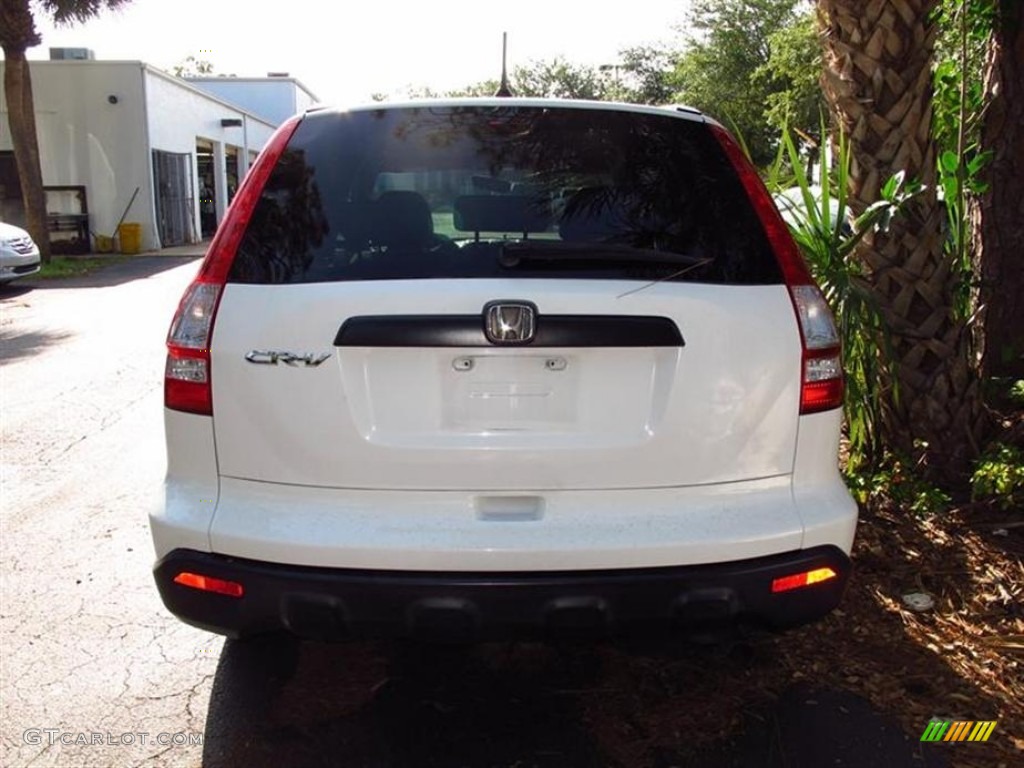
{"x":336,"y":604}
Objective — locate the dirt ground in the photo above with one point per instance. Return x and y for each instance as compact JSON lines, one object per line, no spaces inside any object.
{"x":962,"y":660}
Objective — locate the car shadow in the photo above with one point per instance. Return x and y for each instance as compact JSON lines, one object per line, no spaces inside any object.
{"x":278,"y":702}
{"x":18,"y":346}
{"x":15,"y":289}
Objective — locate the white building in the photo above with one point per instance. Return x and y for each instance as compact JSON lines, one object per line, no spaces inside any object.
{"x":122,"y":138}
{"x":275,"y":97}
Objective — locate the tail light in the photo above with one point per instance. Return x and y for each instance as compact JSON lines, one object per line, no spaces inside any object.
{"x":821,"y":377}
{"x":187,"y":376}
{"x":822,"y":382}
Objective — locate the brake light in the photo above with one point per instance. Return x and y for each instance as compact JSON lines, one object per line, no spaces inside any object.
{"x":209,"y":584}
{"x":805,"y":579}
{"x":821,"y":375}
{"x":187,"y":376}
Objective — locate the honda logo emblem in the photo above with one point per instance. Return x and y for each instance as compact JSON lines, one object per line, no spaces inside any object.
{"x":509,"y":322}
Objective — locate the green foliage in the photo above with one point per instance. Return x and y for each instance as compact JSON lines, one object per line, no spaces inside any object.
{"x":964,"y":30}
{"x":61,"y":267}
{"x":554,"y":78}
{"x":483,"y":88}
{"x":643,"y":75}
{"x":77,"y":11}
{"x":999,"y":476}
{"x":900,"y":485}
{"x":793,"y":74}
{"x":752,"y":64}
{"x":1017,"y":392}
{"x":190,"y":66}
{"x":958,"y":104}
{"x":824,"y":229}
{"x":559,"y":79}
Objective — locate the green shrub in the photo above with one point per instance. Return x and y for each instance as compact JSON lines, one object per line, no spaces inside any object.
{"x":1017,"y":392}
{"x":999,"y":476}
{"x":898,"y":485}
{"x":827,"y":234}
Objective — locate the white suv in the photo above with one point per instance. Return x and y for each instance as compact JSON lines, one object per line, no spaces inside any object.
{"x":489,"y":368}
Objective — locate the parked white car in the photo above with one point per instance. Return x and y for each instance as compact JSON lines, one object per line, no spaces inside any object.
{"x":19,"y":255}
{"x":493,"y":368}
{"x":793,"y":207}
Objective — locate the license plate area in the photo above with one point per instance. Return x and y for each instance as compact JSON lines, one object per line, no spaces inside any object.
{"x":516,"y":391}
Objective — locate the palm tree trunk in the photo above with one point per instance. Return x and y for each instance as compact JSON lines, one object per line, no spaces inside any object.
{"x":22,"y":120}
{"x":878,"y":81}
{"x":997,"y":221}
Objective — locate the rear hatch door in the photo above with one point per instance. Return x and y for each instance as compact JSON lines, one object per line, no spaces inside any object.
{"x":643,"y":335}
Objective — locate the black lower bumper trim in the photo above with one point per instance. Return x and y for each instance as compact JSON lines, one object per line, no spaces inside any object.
{"x":335,"y":604}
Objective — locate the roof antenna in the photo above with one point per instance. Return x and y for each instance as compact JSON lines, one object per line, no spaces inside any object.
{"x":504,"y":91}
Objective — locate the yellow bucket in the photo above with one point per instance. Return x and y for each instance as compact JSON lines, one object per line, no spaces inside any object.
{"x":130,"y":235}
{"x":104,"y":244}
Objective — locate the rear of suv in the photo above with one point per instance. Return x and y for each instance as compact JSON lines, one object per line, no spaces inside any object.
{"x":500,"y":368}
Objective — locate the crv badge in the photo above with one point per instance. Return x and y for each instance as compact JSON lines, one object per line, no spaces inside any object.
{"x":288,"y":358}
{"x":509,"y":322}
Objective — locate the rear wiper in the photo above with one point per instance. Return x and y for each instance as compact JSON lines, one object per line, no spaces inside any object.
{"x":512,"y":254}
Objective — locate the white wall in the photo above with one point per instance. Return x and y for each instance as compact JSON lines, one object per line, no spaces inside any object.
{"x":304,"y":100}
{"x":271,"y":99}
{"x":179,"y":113}
{"x":86,"y":140}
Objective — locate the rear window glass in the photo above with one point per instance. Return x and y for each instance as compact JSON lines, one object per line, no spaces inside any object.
{"x":483,"y":191}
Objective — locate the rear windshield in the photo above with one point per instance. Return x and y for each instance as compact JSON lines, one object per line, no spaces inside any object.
{"x":483,"y":192}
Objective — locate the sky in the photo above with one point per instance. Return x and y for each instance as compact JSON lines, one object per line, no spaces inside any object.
{"x":346,"y":55}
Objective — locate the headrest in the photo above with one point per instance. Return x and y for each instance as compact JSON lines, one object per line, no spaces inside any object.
{"x":502,"y":213}
{"x":402,"y":219}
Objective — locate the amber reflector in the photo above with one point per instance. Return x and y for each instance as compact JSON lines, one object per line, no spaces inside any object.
{"x":805,"y":579}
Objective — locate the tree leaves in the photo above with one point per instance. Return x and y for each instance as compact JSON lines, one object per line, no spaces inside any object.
{"x":755,"y":65}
